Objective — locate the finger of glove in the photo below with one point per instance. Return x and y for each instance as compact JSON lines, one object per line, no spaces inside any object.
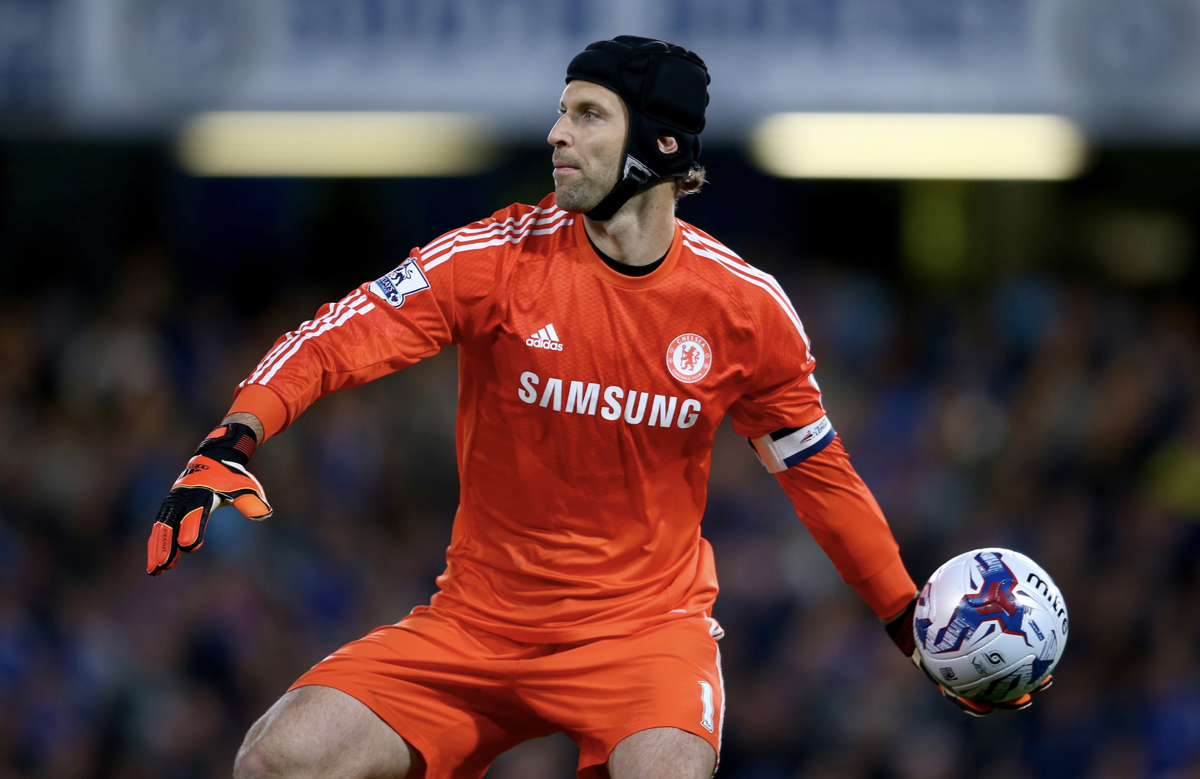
{"x":195,"y":521}
{"x":180,"y":524}
{"x":161,"y":549}
{"x":251,"y":504}
{"x":974,"y":708}
{"x":1046,"y":684}
{"x":186,"y":510}
{"x":1024,"y":702}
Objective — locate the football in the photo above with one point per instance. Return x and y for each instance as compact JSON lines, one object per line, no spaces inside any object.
{"x":990,"y":625}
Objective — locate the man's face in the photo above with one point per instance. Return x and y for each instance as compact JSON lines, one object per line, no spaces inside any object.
{"x":588,"y":141}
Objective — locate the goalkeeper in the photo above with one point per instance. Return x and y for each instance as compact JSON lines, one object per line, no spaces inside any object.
{"x":601,"y":341}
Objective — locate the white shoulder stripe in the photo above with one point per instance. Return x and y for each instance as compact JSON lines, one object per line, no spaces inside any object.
{"x":468,"y":231}
{"x":554,"y":228}
{"x":515,"y":238}
{"x":723,"y":249}
{"x":352,"y":299}
{"x":740,"y":271}
{"x":493,"y":231}
{"x":463,"y":231}
{"x":328,"y":325}
{"x":696,"y":235}
{"x":471,"y":238}
{"x":334,"y":311}
{"x":746,"y":267}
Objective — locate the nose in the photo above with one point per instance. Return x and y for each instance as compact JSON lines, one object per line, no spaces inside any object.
{"x":559,"y":137}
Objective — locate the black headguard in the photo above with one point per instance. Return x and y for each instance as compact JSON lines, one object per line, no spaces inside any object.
{"x":665,"y":88}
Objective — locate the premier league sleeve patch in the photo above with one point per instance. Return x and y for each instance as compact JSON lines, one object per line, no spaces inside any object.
{"x":400,"y":283}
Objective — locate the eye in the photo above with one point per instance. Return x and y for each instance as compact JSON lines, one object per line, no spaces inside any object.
{"x":591,"y":115}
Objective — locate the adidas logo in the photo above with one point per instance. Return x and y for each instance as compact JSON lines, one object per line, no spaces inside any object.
{"x":545,"y":338}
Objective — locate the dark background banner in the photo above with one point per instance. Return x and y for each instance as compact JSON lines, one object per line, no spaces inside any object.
{"x":141,"y":66}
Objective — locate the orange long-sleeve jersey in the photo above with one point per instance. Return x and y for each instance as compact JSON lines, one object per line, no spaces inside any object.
{"x":588,"y":402}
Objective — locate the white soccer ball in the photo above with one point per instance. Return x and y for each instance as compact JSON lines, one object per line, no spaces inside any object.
{"x":990,"y":625}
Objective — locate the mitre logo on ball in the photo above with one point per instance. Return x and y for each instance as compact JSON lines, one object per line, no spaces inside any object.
{"x":689,"y":357}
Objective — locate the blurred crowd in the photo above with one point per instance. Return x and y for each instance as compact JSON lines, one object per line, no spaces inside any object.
{"x":1035,"y":413}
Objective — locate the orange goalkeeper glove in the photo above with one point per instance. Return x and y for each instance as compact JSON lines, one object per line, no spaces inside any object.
{"x":901,"y":632}
{"x":215,"y":476}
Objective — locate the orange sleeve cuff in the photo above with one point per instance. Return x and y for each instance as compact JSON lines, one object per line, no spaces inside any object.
{"x":888,"y":591}
{"x":265,"y":405}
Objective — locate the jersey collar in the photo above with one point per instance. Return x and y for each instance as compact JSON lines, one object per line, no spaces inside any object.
{"x":610,"y":276}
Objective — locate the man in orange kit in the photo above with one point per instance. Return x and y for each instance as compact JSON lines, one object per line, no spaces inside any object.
{"x":601,"y":341}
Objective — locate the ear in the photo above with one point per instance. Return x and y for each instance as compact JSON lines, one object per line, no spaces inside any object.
{"x":667,"y":144}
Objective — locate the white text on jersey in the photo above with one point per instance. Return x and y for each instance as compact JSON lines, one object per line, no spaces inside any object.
{"x":546,"y":338}
{"x":583,"y":399}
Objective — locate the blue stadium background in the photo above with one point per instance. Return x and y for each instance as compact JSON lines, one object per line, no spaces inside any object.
{"x":1036,"y":386}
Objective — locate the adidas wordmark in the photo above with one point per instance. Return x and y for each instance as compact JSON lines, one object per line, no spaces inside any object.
{"x":545,"y":338}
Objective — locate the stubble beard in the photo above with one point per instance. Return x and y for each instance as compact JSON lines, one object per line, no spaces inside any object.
{"x":586,"y":191}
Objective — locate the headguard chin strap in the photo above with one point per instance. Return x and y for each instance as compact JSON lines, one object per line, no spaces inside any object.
{"x":665,"y":88}
{"x":634,"y":177}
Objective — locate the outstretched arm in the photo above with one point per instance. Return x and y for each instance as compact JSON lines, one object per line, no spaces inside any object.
{"x":782,"y":416}
{"x":848,"y":524}
{"x":432,"y":299}
{"x":361,"y":337}
{"x":839,"y":510}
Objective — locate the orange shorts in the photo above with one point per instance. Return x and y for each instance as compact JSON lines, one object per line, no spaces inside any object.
{"x":461,"y":696}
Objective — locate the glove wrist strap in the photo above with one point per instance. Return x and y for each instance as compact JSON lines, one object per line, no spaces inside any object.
{"x":233,"y":441}
{"x":901,"y":629}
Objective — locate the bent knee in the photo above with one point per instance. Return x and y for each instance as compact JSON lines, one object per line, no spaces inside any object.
{"x":666,"y":753}
{"x":317,"y":732}
{"x":265,"y":752}
{"x":250,"y":763}
{"x":262,"y":757}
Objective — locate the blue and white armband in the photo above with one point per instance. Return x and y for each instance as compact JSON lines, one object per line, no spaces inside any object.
{"x":790,"y":446}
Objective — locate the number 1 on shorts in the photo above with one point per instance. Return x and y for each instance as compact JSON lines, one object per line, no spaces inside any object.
{"x":706,"y":697}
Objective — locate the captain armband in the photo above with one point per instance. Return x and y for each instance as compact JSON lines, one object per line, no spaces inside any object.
{"x":790,"y":446}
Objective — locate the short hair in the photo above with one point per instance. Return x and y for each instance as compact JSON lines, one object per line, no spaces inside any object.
{"x":690,"y":183}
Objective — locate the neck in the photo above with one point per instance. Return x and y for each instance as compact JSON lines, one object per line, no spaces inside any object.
{"x":642,"y":230}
